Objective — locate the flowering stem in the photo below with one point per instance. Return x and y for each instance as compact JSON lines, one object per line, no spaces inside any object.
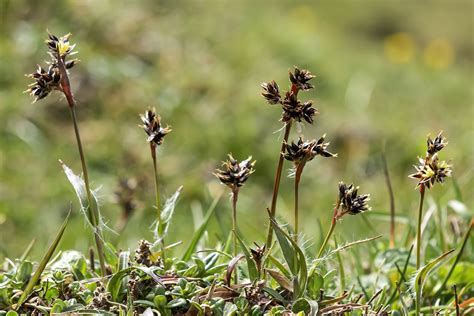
{"x":331,"y":230}
{"x":158,"y":203}
{"x":418,"y":246}
{"x":276,"y":184}
{"x":298,"y":172}
{"x":235,"y":196}
{"x":92,"y":211}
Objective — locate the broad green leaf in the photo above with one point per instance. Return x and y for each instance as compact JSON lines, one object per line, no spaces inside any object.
{"x":315,"y":284}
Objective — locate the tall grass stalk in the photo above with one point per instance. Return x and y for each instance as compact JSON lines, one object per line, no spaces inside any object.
{"x":92,"y":211}
{"x":298,"y":172}
{"x":158,"y":201}
{"x":330,"y":231}
{"x":276,"y":184}
{"x":418,"y":246}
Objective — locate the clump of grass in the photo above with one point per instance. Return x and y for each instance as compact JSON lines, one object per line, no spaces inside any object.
{"x":278,"y":279}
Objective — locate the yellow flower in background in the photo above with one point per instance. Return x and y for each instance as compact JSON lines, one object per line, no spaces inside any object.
{"x":399,"y":48}
{"x":439,"y":54}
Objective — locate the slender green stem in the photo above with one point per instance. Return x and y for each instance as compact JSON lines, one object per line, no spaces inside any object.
{"x":235,"y":196}
{"x":328,"y":236}
{"x":158,"y":202}
{"x":392,"y":201}
{"x":298,"y":172}
{"x":418,"y":232}
{"x":93,"y":216}
{"x":418,"y":247}
{"x":276,"y":184}
{"x":92,"y":211}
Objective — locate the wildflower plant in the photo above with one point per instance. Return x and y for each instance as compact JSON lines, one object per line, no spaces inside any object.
{"x":299,"y":153}
{"x":293,"y":110}
{"x":429,"y":171}
{"x":234,"y":174}
{"x":56,"y":78}
{"x":156,"y":132}
{"x":349,"y":201}
{"x":280,"y":278}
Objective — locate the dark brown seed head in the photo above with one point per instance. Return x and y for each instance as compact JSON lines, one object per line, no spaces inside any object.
{"x":143,"y":253}
{"x":153,"y":127}
{"x":293,"y":109}
{"x":45,"y":81}
{"x":436,"y":145}
{"x":271,"y":92}
{"x":234,"y":173}
{"x":303,"y":151}
{"x":350,"y":201}
{"x":301,"y":79}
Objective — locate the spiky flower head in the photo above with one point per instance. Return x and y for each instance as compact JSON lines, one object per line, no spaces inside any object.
{"x":350,"y":201}
{"x":436,"y":145}
{"x":430,"y":171}
{"x":235,"y":173}
{"x":48,"y":80}
{"x":271,"y":92}
{"x":60,"y":46}
{"x":153,"y":127}
{"x":303,"y":151}
{"x":301,"y":79}
{"x":293,"y":109}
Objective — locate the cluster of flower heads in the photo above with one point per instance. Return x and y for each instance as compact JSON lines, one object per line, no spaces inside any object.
{"x":48,"y":80}
{"x":431,"y":169}
{"x":153,"y":127}
{"x":350,"y":202}
{"x":235,"y":173}
{"x":293,"y":109}
{"x":303,"y":151}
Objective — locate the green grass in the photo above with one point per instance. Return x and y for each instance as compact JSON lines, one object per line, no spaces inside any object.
{"x":201,"y":66}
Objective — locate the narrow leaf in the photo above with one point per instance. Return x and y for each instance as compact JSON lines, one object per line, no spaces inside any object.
{"x":44,"y":261}
{"x":253,"y":274}
{"x":421,"y":275}
{"x":200,"y":231}
{"x":162,"y":226}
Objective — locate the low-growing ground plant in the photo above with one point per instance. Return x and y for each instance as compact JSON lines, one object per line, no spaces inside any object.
{"x":373,"y":276}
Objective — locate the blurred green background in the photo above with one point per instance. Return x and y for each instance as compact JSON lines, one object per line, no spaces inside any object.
{"x":388,"y":73}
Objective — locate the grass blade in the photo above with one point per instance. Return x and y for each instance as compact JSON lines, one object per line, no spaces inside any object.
{"x":253,"y":273}
{"x":297,"y":257}
{"x":420,"y":276}
{"x":44,"y":261}
{"x":200,"y":231}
